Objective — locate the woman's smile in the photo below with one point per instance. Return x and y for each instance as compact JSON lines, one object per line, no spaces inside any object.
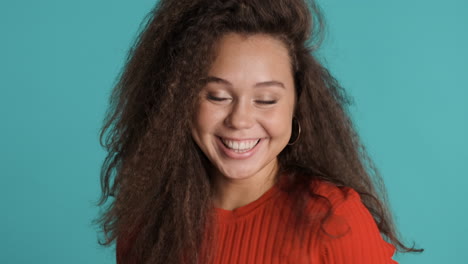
{"x":238,"y":149}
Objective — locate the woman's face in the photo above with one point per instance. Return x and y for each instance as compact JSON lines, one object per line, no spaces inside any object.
{"x":245,"y":109}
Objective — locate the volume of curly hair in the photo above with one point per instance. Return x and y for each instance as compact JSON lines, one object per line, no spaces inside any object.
{"x":154,"y":171}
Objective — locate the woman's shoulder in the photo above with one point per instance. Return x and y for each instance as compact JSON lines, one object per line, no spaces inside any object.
{"x":335,"y":194}
{"x":350,"y":227}
{"x":322,"y":194}
{"x":340,"y":201}
{"x":342,"y":204}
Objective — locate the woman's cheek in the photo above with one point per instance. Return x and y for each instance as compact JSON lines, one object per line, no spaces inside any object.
{"x":209,"y":115}
{"x":277,"y":125}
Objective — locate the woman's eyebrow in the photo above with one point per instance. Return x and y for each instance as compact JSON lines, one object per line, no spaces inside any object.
{"x":259,"y":84}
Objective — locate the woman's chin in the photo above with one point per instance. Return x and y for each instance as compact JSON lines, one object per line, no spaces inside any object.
{"x":249,"y":170}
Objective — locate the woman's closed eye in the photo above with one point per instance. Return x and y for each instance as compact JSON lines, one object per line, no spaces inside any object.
{"x":266,"y":102}
{"x":217,"y":99}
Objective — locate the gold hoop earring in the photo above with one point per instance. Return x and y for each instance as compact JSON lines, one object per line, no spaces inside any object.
{"x":298,"y":132}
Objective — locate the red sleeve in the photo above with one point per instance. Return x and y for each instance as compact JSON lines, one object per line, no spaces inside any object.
{"x":361,"y":241}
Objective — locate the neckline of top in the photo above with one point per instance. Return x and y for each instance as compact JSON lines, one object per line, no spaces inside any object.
{"x":225,"y":215}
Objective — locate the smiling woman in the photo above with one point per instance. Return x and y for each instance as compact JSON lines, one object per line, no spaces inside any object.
{"x":240,"y":120}
{"x":228,"y":142}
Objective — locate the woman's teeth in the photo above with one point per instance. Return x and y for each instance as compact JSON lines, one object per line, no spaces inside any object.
{"x":240,"y":146}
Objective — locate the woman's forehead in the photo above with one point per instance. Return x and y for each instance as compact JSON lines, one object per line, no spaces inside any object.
{"x":259,"y":58}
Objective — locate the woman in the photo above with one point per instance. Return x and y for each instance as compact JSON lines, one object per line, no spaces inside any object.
{"x":229,"y":143}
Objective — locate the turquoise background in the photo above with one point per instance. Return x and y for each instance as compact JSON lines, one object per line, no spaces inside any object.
{"x":404,"y":62}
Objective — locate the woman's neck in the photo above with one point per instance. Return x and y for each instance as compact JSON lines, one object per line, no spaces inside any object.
{"x":234,"y":193}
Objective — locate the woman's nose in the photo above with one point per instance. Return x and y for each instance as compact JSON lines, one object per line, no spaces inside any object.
{"x":241,"y":116}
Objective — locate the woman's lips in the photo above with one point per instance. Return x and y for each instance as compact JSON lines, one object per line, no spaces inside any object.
{"x":235,"y":154}
{"x":240,"y":145}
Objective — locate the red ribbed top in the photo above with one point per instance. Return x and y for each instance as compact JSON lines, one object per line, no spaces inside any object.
{"x":258,"y":232}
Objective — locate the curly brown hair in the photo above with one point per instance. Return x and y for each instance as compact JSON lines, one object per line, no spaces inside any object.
{"x":157,"y":174}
